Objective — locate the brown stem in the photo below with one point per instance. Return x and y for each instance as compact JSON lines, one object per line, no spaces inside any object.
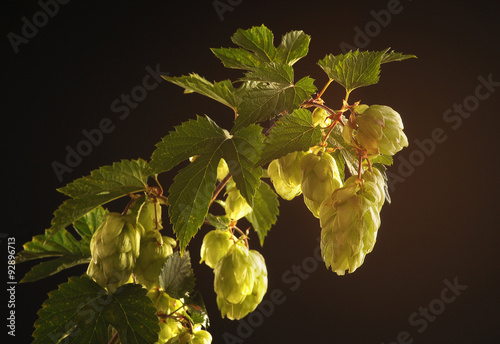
{"x":219,"y":187}
{"x":114,"y":338}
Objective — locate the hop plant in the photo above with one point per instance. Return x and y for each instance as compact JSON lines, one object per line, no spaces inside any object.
{"x":349,"y":224}
{"x":320,"y":177}
{"x":286,"y":175}
{"x":215,"y":245}
{"x":154,"y":249}
{"x":115,"y":246}
{"x":235,"y":204}
{"x":240,"y":281}
{"x":378,"y":129}
{"x":320,"y":117}
{"x":167,"y":308}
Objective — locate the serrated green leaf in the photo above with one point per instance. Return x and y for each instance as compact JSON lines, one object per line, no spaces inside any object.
{"x":382,"y":159}
{"x":237,"y":58}
{"x":177,"y":276}
{"x":241,"y":153}
{"x":193,"y":137}
{"x":101,"y":186}
{"x":293,"y":132}
{"x":190,"y":195}
{"x":392,"y":56}
{"x":197,"y":309}
{"x":261,"y":101}
{"x":258,"y":39}
{"x":222,"y":91}
{"x":294,"y":45}
{"x":353,"y":69}
{"x":80,"y":311}
{"x":271,"y":72}
{"x":218,"y":221}
{"x":265,"y":211}
{"x":63,"y":246}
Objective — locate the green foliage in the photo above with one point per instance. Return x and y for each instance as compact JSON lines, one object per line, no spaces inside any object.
{"x":283,"y":141}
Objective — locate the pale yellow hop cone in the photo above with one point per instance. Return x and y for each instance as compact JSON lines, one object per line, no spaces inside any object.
{"x":380,"y":130}
{"x":235,"y":205}
{"x":320,"y":177}
{"x":115,"y":246}
{"x":240,"y":281}
{"x":215,"y":245}
{"x":349,"y":224}
{"x":286,"y":175}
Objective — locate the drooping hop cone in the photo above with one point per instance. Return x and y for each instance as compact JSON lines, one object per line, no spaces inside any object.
{"x":380,"y":130}
{"x":115,"y":246}
{"x":320,"y":177}
{"x":374,"y":186}
{"x":285,"y":174}
{"x":154,"y":249}
{"x":240,"y":281}
{"x":320,"y":117}
{"x":150,"y":216}
{"x":235,"y":205}
{"x":215,"y":245}
{"x":349,"y":224}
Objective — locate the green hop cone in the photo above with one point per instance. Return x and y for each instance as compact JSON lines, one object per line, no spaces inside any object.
{"x":380,"y":130}
{"x":235,"y":204}
{"x":114,"y":246}
{"x":240,"y":281}
{"x":349,"y":223}
{"x":154,"y":249}
{"x":215,"y":245}
{"x":320,"y":117}
{"x":286,"y":175}
{"x":320,"y":177}
{"x":169,"y":328}
{"x":196,"y":336}
{"x":374,"y":186}
{"x":166,"y":306}
{"x":150,"y":216}
{"x":222,"y":169}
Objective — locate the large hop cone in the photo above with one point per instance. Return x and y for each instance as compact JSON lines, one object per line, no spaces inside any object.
{"x":155,"y":248}
{"x":286,"y":175}
{"x":240,"y":281}
{"x":379,"y":130}
{"x":349,"y":223}
{"x":215,"y":245}
{"x":115,"y":246}
{"x":320,"y":177}
{"x":235,"y":206}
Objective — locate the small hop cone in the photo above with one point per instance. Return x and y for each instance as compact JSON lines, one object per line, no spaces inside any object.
{"x":222,"y":169}
{"x":198,"y":336}
{"x":153,"y":252}
{"x":150,"y":216}
{"x":320,"y":117}
{"x":215,"y":245}
{"x":286,"y":175}
{"x":169,"y":328}
{"x":380,"y":130}
{"x":115,"y":246}
{"x":349,"y":224}
{"x":240,"y":281}
{"x":320,"y":178}
{"x":235,"y":204}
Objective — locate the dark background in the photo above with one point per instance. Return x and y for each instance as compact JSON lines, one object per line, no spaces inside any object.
{"x":442,"y":223}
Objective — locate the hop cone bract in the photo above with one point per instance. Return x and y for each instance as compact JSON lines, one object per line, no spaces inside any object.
{"x":285,"y":174}
{"x":114,"y":248}
{"x":240,"y":281}
{"x":349,"y":224}
{"x":235,"y":205}
{"x":215,"y":245}
{"x":320,"y":177}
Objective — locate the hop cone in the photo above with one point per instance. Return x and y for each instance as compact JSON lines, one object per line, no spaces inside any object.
{"x":165,"y":305}
{"x":320,"y":177}
{"x":197,"y":336}
{"x":150,"y":216}
{"x":114,"y":248}
{"x":319,"y":117}
{"x":215,"y":245}
{"x":374,"y":187}
{"x":286,"y":175}
{"x":222,"y":169}
{"x":380,"y":130}
{"x":240,"y":281}
{"x":349,"y":223}
{"x":235,"y":205}
{"x":153,"y":252}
